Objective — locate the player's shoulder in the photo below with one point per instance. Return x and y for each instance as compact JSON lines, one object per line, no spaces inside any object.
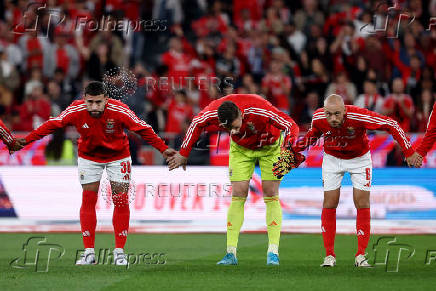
{"x":115,"y":102}
{"x":318,"y":114}
{"x":356,"y":109}
{"x":76,"y":103}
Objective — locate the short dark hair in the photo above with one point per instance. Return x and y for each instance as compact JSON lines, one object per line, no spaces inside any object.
{"x":95,"y":88}
{"x":227,"y":113}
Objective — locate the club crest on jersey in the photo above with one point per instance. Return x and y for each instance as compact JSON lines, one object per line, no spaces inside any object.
{"x":251,"y":127}
{"x":110,"y":124}
{"x":351,"y":130}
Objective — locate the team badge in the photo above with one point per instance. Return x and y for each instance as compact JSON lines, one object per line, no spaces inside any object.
{"x":110,"y":124}
{"x":351,"y":131}
{"x":251,"y":127}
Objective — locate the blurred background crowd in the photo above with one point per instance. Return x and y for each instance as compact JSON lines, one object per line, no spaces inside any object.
{"x":376,"y":54}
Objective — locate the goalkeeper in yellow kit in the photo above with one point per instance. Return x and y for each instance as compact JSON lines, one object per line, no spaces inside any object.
{"x":255,"y":127}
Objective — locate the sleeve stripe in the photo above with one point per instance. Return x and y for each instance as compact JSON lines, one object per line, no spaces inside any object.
{"x":392,"y":124}
{"x":66,"y":112}
{"x":385,"y":121}
{"x":6,"y":135}
{"x":197,"y":120}
{"x":130,"y":115}
{"x":272,"y":115}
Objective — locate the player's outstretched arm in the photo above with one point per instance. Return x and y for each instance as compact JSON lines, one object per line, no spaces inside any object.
{"x":430,"y":135}
{"x":54,"y":123}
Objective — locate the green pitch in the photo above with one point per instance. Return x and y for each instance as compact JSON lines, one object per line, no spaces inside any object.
{"x":187,"y":262}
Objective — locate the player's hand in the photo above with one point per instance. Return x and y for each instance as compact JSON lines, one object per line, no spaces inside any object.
{"x":287,"y":161}
{"x":169,"y":152}
{"x":17,"y":145}
{"x":176,"y":161}
{"x":415,"y":160}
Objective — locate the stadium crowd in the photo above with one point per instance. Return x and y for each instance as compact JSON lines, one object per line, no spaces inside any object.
{"x":376,"y":54}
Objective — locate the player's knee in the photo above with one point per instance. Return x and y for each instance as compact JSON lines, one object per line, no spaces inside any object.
{"x":330,"y":202}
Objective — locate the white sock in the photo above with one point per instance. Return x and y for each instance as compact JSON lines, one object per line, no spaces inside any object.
{"x":119,"y":250}
{"x":231,"y":250}
{"x":89,"y":251}
{"x":273,"y":248}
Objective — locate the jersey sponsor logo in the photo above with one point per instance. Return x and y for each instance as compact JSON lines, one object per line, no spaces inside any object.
{"x":85,"y":125}
{"x":110,"y":125}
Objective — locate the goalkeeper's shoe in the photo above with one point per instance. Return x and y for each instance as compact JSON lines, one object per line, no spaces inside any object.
{"x":120,"y":258}
{"x":362,"y":262}
{"x":329,"y":261}
{"x":272,"y":259}
{"x":87,"y":258}
{"x":229,"y":259}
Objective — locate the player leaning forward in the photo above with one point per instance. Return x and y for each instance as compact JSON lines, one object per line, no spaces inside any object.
{"x":255,"y":127}
{"x":346,"y":149}
{"x":100,"y":122}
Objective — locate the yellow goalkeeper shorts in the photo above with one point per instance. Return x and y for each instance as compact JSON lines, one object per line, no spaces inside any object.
{"x":242,"y":161}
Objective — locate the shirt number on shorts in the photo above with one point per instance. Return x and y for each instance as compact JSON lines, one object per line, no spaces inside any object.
{"x":125,"y":169}
{"x":368,"y":174}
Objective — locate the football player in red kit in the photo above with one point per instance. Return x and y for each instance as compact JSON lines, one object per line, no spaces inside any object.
{"x":100,"y":122}
{"x":6,"y":136}
{"x":429,"y":139}
{"x":255,"y":128}
{"x":346,"y":149}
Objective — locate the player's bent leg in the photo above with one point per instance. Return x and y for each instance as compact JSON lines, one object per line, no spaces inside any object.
{"x":328,"y":225}
{"x":273,"y":219}
{"x":120,"y":219}
{"x":235,"y":219}
{"x":363,"y":225}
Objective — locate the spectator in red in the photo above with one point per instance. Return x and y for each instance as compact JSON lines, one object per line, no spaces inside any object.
{"x":399,"y":106}
{"x":33,"y":48}
{"x":177,"y":62}
{"x":343,"y":88}
{"x":277,"y":87}
{"x":62,"y":55}
{"x":215,"y":22}
{"x":370,"y":99}
{"x":423,"y":110}
{"x":179,"y":110}
{"x":35,"y":109}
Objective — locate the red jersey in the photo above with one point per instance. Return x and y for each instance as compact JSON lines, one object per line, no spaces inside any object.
{"x":398,"y":114}
{"x":276,"y":84}
{"x":5,"y":134}
{"x":430,"y":134}
{"x":102,"y":139}
{"x":261,"y":123}
{"x":350,"y":140}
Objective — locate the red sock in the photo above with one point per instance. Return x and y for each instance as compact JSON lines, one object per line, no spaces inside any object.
{"x":88,"y":218}
{"x":328,"y":228}
{"x":120,"y":219}
{"x":363,"y":228}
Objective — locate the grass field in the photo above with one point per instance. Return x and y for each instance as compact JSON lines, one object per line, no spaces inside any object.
{"x":190,"y":264}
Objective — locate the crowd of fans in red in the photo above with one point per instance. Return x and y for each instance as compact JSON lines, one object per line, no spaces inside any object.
{"x":292,"y":52}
